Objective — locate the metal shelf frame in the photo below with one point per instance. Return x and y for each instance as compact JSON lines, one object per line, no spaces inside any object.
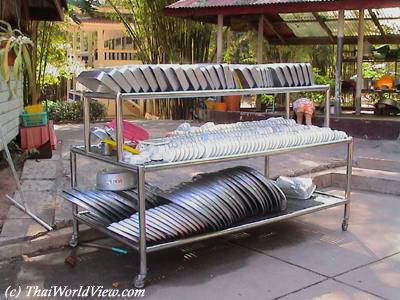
{"x":141,"y":170}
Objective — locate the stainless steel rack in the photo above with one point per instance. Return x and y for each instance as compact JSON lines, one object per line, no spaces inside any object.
{"x":325,"y":201}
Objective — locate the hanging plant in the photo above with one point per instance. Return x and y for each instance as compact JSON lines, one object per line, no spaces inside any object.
{"x":15,"y":50}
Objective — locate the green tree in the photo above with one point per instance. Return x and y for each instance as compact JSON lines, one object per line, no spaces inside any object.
{"x":162,"y":39}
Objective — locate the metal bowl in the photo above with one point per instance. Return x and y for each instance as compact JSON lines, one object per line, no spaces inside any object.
{"x":115,"y":180}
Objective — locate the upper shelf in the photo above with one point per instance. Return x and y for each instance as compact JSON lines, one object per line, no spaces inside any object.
{"x":135,"y":80}
{"x":211,"y":93}
{"x":156,"y":166}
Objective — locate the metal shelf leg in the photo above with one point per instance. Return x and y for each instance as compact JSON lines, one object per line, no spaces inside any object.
{"x":75,"y":224}
{"x":346,"y":217}
{"x":266,"y":167}
{"x":140,"y":279}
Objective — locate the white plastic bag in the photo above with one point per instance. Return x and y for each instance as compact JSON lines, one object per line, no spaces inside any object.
{"x":296,"y":187}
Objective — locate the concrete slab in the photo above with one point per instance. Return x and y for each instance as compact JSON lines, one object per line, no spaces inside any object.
{"x":39,"y":203}
{"x":381,"y":278}
{"x":330,"y":290}
{"x":316,"y":242}
{"x":370,"y":180}
{"x":218,"y":271}
{"x":378,"y":164}
{"x":41,"y":169}
{"x":63,"y":213}
{"x":37,"y":185}
{"x":21,"y":228}
{"x":224,"y":272}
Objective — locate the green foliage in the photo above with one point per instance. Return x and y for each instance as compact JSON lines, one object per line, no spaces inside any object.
{"x":373,"y":71}
{"x":87,"y":7}
{"x":161,"y":39}
{"x":267,"y":99}
{"x":61,"y":111}
{"x":13,"y":40}
{"x":241,"y":48}
{"x":51,"y":55}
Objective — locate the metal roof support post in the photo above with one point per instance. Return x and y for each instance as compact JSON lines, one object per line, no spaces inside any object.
{"x":219,"y":38}
{"x":260,"y":39}
{"x":339,"y":62}
{"x":360,"y":51}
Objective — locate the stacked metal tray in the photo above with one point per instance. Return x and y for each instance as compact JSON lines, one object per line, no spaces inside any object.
{"x":175,"y":77}
{"x":106,"y":207}
{"x":211,"y":202}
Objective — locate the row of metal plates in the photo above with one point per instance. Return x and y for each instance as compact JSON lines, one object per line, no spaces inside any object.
{"x":174,"y":77}
{"x":106,"y":207}
{"x":214,"y":201}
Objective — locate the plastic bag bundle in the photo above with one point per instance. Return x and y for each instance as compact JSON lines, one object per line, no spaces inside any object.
{"x":296,"y":187}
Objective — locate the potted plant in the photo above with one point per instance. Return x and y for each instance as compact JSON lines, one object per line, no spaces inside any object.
{"x":15,"y":50}
{"x":266,"y":100}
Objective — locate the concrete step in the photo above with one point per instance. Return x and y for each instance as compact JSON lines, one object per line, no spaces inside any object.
{"x":378,"y":164}
{"x":377,"y":181}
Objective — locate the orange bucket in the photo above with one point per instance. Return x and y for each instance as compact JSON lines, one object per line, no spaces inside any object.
{"x":232,"y":102}
{"x":220,"y":106}
{"x":210,"y":104}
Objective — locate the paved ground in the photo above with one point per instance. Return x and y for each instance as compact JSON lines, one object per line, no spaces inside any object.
{"x":302,"y":259}
{"x":307,"y":258}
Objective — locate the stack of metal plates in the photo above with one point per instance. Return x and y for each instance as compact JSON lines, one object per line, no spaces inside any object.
{"x":213,"y":201}
{"x":174,"y":77}
{"x":106,"y":207}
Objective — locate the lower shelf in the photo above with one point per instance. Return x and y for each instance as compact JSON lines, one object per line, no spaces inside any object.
{"x":296,"y":208}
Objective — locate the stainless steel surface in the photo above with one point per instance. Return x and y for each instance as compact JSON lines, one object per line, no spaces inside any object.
{"x":98,"y":81}
{"x":119,"y":127}
{"x":225,"y":92}
{"x":142,"y":222}
{"x":327,"y":107}
{"x":75,"y":224}
{"x":287,"y":105}
{"x":348,"y":184}
{"x":115,"y":180}
{"x":128,"y":75}
{"x":266,"y":166}
{"x":86,"y":122}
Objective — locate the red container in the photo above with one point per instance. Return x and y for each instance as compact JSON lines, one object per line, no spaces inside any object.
{"x":232,"y":102}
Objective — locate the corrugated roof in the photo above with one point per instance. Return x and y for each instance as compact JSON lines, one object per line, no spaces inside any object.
{"x":225,"y":3}
{"x":299,"y":21}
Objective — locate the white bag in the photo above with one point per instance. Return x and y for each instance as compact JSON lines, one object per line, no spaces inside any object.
{"x":296,"y":187}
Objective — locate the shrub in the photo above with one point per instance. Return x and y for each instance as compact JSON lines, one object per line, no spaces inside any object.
{"x":61,"y":111}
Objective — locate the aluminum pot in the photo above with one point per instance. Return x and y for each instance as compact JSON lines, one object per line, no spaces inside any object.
{"x":115,"y":180}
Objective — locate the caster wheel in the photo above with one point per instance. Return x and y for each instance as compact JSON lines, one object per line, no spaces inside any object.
{"x":345,"y":225}
{"x":73,"y":242}
{"x":139,"y":282}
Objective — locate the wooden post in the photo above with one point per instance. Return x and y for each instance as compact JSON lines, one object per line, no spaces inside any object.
{"x":219,"y":38}
{"x":90,"y":48}
{"x":81,"y":42}
{"x":74,"y":46}
{"x":260,"y":39}
{"x":100,"y":48}
{"x":360,"y":52}
{"x":339,"y":62}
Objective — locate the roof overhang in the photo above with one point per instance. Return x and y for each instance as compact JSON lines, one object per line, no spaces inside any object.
{"x":46,"y":10}
{"x":275,"y":8}
{"x":297,"y":22}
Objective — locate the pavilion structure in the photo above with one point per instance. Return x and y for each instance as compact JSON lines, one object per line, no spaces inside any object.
{"x":302,"y":22}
